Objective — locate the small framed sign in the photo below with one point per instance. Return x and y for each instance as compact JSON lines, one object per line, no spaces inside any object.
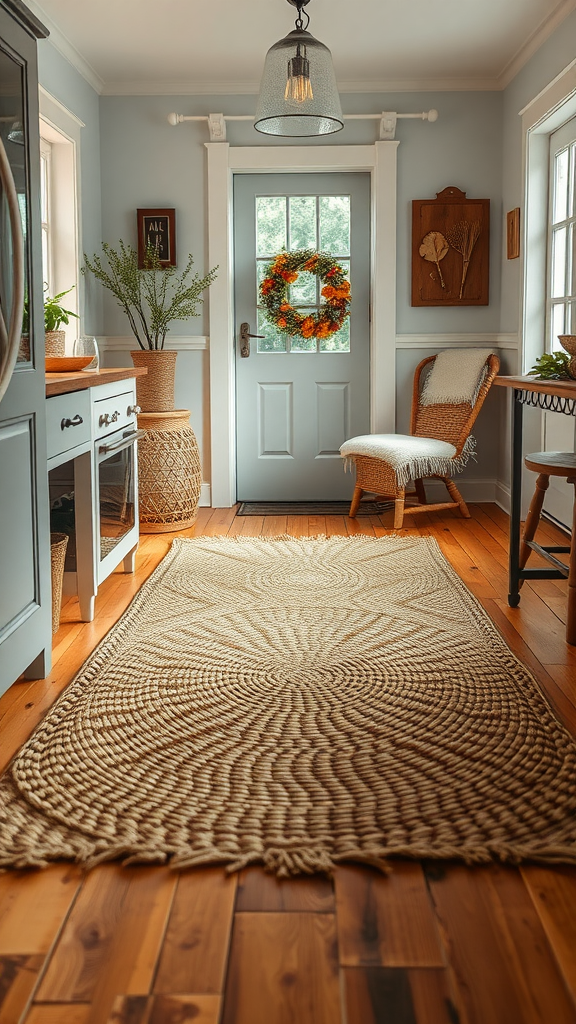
{"x":513,"y":234}
{"x":157,"y":229}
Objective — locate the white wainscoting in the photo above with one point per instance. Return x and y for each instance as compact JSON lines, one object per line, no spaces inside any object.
{"x":472,"y":490}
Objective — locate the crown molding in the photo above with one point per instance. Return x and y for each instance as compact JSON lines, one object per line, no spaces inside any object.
{"x":534,"y":41}
{"x":67,"y":49}
{"x":139,"y":87}
{"x":146,"y":88}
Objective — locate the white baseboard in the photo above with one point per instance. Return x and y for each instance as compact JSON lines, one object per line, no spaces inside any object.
{"x":503,"y":496}
{"x":471,"y":490}
{"x":205,"y":501}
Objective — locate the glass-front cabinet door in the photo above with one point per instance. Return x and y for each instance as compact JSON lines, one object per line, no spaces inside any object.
{"x":25,"y":598}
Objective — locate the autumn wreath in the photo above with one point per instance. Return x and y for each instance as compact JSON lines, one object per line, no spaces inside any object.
{"x":275,"y":289}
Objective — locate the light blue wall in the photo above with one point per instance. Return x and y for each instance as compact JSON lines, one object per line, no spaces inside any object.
{"x":65,"y":84}
{"x":147,"y":162}
{"x":132,"y":157}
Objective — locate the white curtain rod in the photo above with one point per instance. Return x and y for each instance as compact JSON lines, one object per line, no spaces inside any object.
{"x":217,"y":122}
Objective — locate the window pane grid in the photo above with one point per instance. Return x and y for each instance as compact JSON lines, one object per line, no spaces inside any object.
{"x":304,"y":222}
{"x":562,"y":239}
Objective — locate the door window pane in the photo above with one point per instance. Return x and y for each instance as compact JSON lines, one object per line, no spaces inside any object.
{"x":272,"y":340}
{"x":304,"y":291}
{"x":303,"y":344}
{"x":303,"y":226}
{"x":270,"y":225}
{"x":339,"y":342}
{"x":335,"y":224}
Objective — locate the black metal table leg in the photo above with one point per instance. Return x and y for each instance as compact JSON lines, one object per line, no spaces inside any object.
{"x":516,"y":500}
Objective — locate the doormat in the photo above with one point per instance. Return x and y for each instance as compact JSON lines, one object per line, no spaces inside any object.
{"x":296,"y":703}
{"x":311,"y":508}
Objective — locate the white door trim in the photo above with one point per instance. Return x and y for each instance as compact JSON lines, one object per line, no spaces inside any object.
{"x":223,"y":162}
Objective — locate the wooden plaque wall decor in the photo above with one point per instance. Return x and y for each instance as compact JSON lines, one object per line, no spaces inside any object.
{"x":157,"y":228}
{"x":450,"y":250}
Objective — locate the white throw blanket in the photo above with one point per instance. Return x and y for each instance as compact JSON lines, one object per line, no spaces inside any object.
{"x":410,"y":457}
{"x":455,"y":377}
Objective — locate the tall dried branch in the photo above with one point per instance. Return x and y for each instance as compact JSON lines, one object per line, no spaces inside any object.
{"x":463,"y":237}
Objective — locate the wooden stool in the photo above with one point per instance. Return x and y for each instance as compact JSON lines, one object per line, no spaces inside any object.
{"x":548,"y":464}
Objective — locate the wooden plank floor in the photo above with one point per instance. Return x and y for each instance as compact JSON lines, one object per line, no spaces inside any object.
{"x":433,"y":943}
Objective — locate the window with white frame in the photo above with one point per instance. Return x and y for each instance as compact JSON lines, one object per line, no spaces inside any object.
{"x":45,"y":208}
{"x":58,"y":202}
{"x":561,"y":277}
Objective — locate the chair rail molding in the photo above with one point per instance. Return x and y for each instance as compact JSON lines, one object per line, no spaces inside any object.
{"x":436,"y":341}
{"x":224,"y":162}
{"x":128,"y":343}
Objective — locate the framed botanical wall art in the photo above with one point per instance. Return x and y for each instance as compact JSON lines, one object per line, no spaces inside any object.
{"x":450,"y":250}
{"x":157,"y":228}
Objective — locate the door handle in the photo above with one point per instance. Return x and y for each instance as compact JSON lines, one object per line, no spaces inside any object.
{"x":245,"y":340}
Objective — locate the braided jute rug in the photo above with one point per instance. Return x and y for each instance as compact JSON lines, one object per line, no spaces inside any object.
{"x":296,"y":703}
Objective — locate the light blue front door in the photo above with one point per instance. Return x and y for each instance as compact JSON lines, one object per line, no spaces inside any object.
{"x":299,"y":399}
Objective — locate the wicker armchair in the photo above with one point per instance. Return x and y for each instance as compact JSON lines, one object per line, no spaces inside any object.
{"x":443,"y":422}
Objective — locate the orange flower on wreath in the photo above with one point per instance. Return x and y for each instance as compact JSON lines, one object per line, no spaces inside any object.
{"x":310,"y":264}
{"x":308,"y":327}
{"x":289,"y":275}
{"x":329,"y":291}
{"x":281,"y":321}
{"x":285,"y":307}
{"x":322,"y":329}
{"x":267,"y":285}
{"x":278,"y":263}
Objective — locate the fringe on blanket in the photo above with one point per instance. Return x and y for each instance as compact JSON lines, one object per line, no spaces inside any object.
{"x":427,"y":465}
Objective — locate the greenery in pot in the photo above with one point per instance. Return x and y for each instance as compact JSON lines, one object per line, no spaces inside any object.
{"x":151,"y":297}
{"x":551,"y":366}
{"x":54,"y":314}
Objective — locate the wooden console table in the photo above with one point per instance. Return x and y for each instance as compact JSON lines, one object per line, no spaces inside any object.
{"x":550,"y":396}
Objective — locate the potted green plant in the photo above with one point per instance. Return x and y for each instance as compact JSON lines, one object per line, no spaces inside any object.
{"x":54,"y":316}
{"x":152,"y":298}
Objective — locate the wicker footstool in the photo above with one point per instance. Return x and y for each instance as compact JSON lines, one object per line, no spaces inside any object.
{"x":169,"y":472}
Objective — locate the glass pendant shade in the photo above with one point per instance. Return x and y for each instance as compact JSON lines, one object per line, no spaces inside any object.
{"x":298,"y":92}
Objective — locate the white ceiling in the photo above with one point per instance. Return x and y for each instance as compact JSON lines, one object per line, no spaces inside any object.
{"x":218,"y":46}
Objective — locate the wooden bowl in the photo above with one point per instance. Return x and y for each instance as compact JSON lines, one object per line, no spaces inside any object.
{"x":66,"y":364}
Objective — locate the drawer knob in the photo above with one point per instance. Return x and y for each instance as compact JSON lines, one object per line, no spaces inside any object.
{"x":133,"y":410}
{"x":75,"y":422}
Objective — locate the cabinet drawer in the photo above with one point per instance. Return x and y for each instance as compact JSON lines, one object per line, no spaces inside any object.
{"x":111,"y":414}
{"x":67,"y":421}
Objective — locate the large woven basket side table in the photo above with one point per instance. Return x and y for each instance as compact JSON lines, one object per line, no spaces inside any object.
{"x":169,"y":472}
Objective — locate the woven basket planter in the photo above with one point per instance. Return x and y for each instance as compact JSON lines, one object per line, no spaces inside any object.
{"x":155,"y":390}
{"x":55,"y":344}
{"x":58,"y":545}
{"x":169,"y":472}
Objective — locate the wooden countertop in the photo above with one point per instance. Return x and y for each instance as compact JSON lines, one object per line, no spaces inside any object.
{"x":561,"y":388}
{"x":62,"y":383}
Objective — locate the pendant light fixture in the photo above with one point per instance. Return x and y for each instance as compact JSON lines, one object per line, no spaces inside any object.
{"x":298,"y":92}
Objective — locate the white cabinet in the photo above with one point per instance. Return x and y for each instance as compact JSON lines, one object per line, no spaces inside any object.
{"x":92,"y":463}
